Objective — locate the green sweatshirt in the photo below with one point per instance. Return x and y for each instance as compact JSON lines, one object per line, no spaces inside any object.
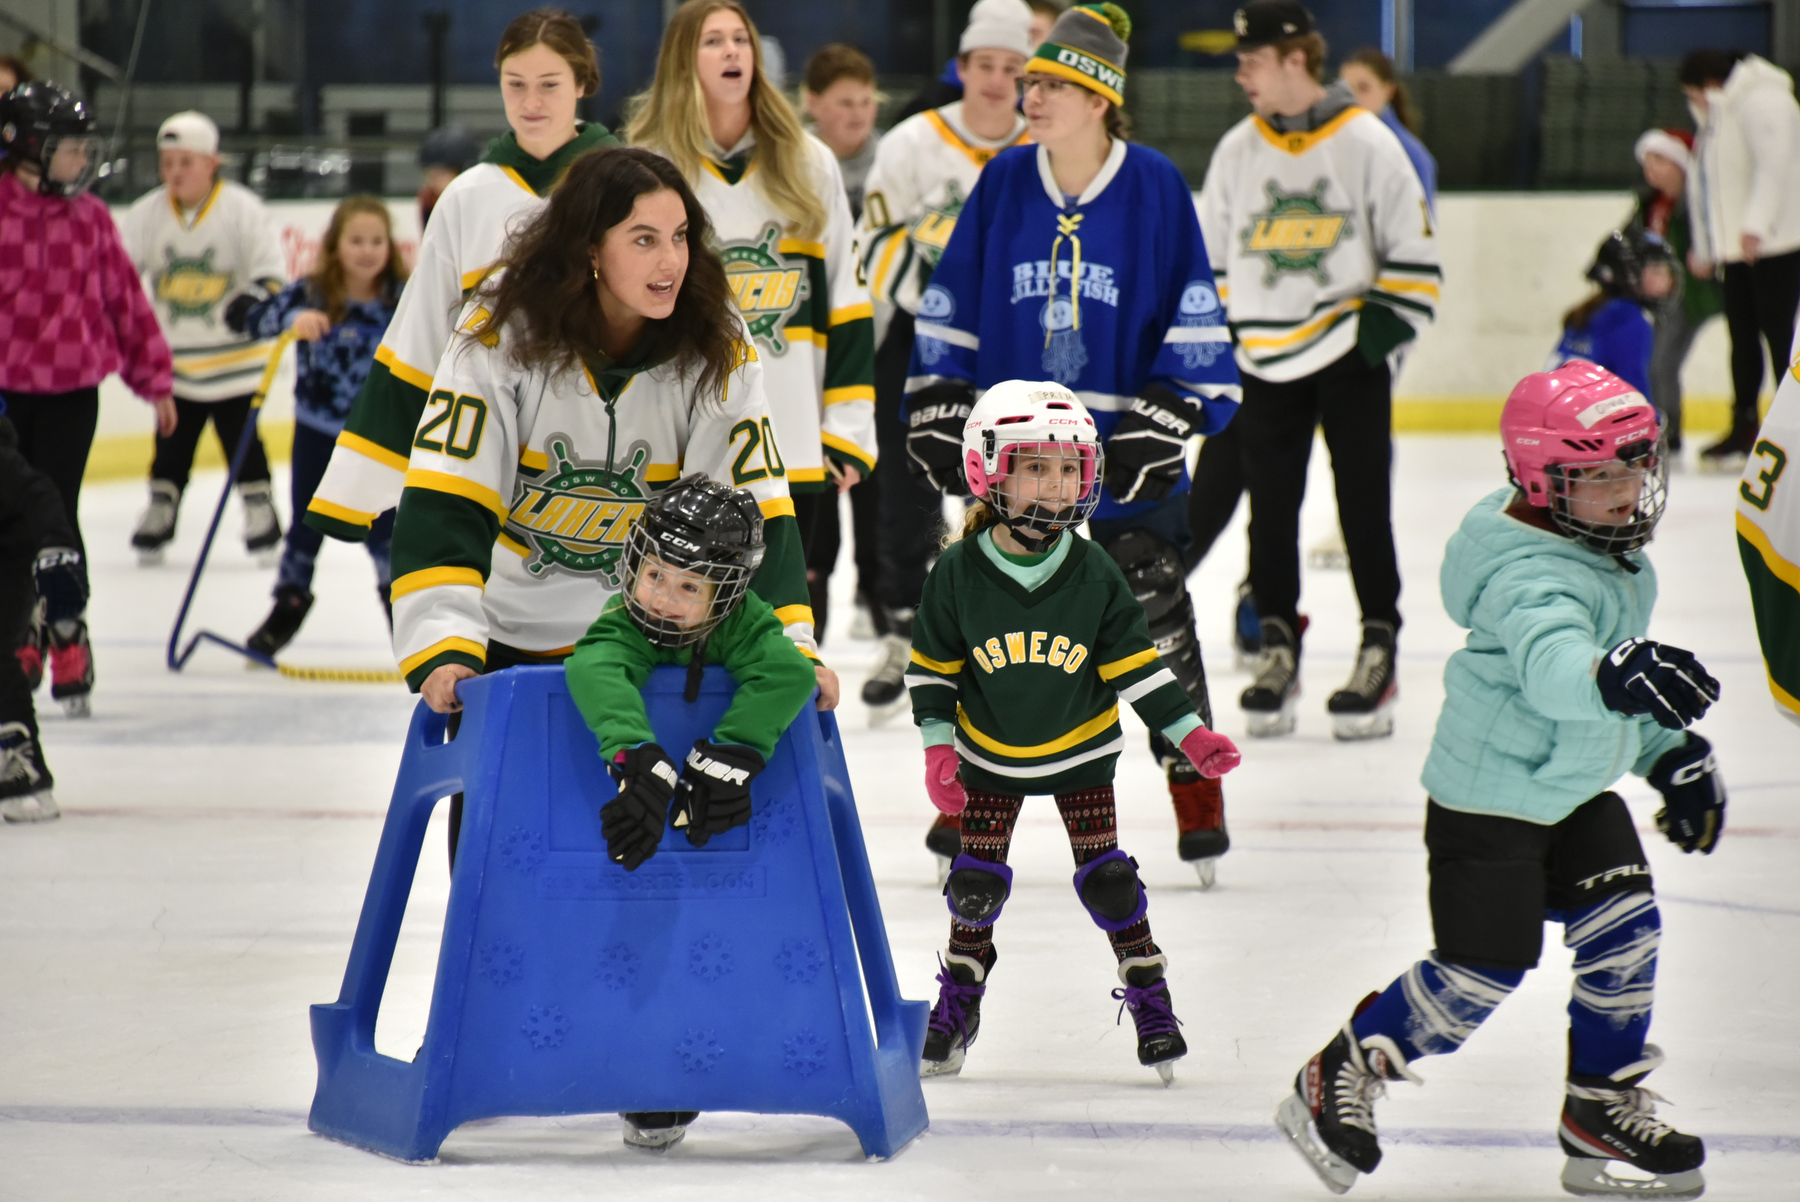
{"x":1029,"y":658}
{"x":613,"y":660}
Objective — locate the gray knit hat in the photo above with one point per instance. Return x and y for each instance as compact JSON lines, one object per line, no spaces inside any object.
{"x":1087,"y":46}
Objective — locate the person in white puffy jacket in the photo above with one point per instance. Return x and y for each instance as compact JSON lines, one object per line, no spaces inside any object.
{"x":1744,"y":204}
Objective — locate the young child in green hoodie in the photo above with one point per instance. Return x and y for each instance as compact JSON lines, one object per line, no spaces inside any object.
{"x":1557,"y":693}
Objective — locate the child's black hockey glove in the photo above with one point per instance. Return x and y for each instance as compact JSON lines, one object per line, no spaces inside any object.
{"x":935,"y":417}
{"x":633,"y":821}
{"x":1642,"y":677}
{"x":1148,"y":447}
{"x":1693,"y":813}
{"x":714,"y":794}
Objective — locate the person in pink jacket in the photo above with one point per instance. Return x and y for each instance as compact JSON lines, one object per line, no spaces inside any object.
{"x":72,"y":312}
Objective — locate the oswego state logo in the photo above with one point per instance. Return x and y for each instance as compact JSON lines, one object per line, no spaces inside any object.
{"x":575,"y":515}
{"x":190,"y":287}
{"x":768,"y":291}
{"x":1296,"y":233}
{"x":930,"y":234}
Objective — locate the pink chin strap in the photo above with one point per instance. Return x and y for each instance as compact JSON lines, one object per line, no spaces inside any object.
{"x":981,"y":483}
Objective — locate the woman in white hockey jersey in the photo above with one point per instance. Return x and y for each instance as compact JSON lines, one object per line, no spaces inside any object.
{"x":778,"y":210}
{"x":546,"y":66}
{"x":1322,"y":243}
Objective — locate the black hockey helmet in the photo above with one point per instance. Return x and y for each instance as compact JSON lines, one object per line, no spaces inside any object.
{"x":695,"y":534}
{"x":42,"y":123}
{"x":1620,"y":262}
{"x":450,"y":146}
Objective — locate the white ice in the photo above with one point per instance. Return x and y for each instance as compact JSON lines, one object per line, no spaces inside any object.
{"x":159,"y":946}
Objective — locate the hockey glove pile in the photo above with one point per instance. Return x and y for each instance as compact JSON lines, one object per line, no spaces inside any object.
{"x":1148,"y":447}
{"x":633,"y":821}
{"x":714,"y":793}
{"x":1693,"y":813}
{"x":1642,"y":677}
{"x":935,"y":417}
{"x":60,"y":583}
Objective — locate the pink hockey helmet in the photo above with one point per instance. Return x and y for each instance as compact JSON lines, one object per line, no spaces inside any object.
{"x":1044,"y":420}
{"x":1564,"y":426}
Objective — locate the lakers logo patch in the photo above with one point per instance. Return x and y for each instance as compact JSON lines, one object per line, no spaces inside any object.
{"x":767,"y":289}
{"x":574,"y":515}
{"x":190,"y":287}
{"x":1296,"y":233}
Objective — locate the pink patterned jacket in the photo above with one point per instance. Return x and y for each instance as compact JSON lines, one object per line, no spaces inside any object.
{"x":72,"y":309}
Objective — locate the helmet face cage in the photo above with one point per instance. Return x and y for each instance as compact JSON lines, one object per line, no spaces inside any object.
{"x":1040,"y":489}
{"x":1646,"y":465}
{"x":727,"y":583}
{"x":70,"y":162}
{"x":42,"y":124}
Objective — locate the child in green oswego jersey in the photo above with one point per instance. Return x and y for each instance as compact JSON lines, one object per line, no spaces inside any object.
{"x":1025,"y":641}
{"x":688,"y":563}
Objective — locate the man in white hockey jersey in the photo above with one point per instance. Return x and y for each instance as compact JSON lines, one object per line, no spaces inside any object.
{"x":1324,"y":252}
{"x":202,"y":245}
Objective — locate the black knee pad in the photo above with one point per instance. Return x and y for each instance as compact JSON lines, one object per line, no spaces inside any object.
{"x":976,"y":890}
{"x":1109,"y":887}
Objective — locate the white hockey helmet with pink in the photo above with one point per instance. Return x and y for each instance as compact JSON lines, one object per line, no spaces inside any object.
{"x":1044,"y":426}
{"x":1574,"y":425}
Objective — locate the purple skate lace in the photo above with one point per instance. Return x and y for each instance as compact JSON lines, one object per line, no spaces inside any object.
{"x":1150,"y":1008}
{"x":947,"y":1016}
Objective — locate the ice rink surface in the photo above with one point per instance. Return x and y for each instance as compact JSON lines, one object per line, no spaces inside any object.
{"x":160,"y":945}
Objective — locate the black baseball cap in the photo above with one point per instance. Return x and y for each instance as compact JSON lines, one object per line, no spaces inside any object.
{"x":1265,"y":22}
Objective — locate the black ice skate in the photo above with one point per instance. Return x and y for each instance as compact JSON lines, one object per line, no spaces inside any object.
{"x":157,"y":525}
{"x":944,"y":840}
{"x":262,"y":527}
{"x":1269,"y":702}
{"x":283,"y":622}
{"x":1330,"y":1116}
{"x":1612,"y":1120}
{"x":1200,"y":819}
{"x":1146,"y":995}
{"x":71,"y":667}
{"x":1364,"y":708}
{"x":884,"y":692}
{"x":956,"y":1019}
{"x":1727,"y":456}
{"x":656,"y":1130}
{"x":1246,"y":631}
{"x":25,"y":794}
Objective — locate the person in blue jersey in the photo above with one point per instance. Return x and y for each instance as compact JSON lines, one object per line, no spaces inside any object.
{"x":1080,"y":260}
{"x":1633,"y":271}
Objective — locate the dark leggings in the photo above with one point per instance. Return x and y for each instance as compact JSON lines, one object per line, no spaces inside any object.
{"x":1760,"y":301}
{"x":312,"y":451}
{"x":987,"y":830}
{"x":175,"y":454}
{"x":56,"y":432}
{"x":1219,"y":483}
{"x":910,"y":528}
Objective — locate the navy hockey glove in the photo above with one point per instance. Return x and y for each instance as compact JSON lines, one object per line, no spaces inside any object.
{"x":935,"y":417}
{"x":1693,"y":813}
{"x":237,"y":313}
{"x":633,"y":821}
{"x":714,"y":794}
{"x":60,"y":582}
{"x":1148,"y":447}
{"x":1642,"y":677}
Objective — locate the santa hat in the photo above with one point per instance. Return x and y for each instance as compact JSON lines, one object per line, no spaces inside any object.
{"x":1676,"y":145}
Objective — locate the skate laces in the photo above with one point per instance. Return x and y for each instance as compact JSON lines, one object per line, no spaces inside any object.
{"x":1277,"y":669}
{"x":1632,"y":1110}
{"x":1149,"y":1006}
{"x":1354,"y":1094}
{"x":948,"y":1015}
{"x":896,"y":653}
{"x":1371,"y":670}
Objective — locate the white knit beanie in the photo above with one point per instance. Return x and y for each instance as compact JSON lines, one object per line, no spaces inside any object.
{"x":998,"y":25}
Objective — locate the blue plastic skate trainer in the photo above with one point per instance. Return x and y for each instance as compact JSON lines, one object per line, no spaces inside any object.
{"x":730,"y":977}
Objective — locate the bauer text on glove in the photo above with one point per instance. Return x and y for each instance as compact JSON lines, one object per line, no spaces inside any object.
{"x":714,"y":793}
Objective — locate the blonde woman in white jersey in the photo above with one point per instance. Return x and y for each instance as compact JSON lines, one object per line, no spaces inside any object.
{"x":546,"y":66}
{"x":777,"y":204}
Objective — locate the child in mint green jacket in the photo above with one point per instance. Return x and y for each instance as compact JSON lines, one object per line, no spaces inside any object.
{"x":1556,"y":694}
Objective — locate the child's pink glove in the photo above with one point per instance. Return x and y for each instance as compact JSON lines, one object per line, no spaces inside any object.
{"x":1212,"y":753}
{"x":940,"y":779}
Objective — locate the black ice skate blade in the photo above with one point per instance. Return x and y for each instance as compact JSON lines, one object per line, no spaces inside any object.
{"x":1587,"y":1177}
{"x":1295,"y":1122}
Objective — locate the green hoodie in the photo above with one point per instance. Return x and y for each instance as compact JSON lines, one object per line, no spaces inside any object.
{"x":541,"y":174}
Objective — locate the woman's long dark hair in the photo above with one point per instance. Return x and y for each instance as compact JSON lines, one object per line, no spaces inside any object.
{"x":545,"y":277}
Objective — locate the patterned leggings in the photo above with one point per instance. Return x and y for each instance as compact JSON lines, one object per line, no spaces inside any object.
{"x":987,"y":828}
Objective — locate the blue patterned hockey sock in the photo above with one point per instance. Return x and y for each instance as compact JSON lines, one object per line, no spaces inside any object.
{"x":1615,"y":943}
{"x":1433,"y":1006}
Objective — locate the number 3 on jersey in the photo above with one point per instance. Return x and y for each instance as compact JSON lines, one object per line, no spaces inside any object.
{"x":757,"y":438}
{"x":452,"y":424}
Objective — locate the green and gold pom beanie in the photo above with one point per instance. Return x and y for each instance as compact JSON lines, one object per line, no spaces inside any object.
{"x":1087,"y":46}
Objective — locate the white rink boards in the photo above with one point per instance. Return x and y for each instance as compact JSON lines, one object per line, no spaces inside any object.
{"x":159,"y":945}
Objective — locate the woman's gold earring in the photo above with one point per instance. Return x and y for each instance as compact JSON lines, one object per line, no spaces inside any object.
{"x":596,"y":272}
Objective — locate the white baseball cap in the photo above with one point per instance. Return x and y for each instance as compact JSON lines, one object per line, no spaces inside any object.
{"x":189,"y":131}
